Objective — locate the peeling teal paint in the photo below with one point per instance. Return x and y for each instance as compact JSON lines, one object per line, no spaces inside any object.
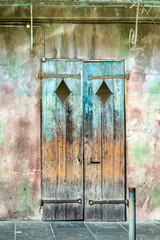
{"x":156,"y":197}
{"x":133,"y":122}
{"x":140,"y":151}
{"x":13,"y":69}
{"x":21,"y":91}
{"x":154,"y":131}
{"x":153,"y":101}
{"x":150,"y":129}
{"x":49,"y":123}
{"x":117,"y":100}
{"x":32,"y":101}
{"x":154,"y":85}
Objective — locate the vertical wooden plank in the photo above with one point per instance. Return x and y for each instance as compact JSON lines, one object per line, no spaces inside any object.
{"x":104,"y":139}
{"x":48,"y":133}
{"x":108,"y":147}
{"x":61,"y":173}
{"x":119,"y":181}
{"x":53,"y":149}
{"x":114,"y":145}
{"x":92,"y":142}
{"x":74,"y":148}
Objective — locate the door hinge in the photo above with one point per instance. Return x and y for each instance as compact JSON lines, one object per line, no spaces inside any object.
{"x":91,"y":202}
{"x":51,"y":201}
{"x":109,"y":77}
{"x":77,"y":76}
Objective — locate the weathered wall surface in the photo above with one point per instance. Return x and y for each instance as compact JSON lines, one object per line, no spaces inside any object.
{"x":19,"y":127}
{"x":20,"y":168}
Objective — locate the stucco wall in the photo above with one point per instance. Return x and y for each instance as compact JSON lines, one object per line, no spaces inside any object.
{"x":20,"y":168}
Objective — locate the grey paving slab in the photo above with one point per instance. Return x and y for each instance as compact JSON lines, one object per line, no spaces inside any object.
{"x":143,"y":227}
{"x":6,"y":235}
{"x":77,"y":231}
{"x":105,"y":227}
{"x":32,"y":225}
{"x":68,"y":225}
{"x":73,"y":234}
{"x":157,"y":224}
{"x":34,"y":233}
{"x":111,"y":237}
{"x":6,"y":226}
{"x":147,"y":237}
{"x":33,"y":230}
{"x":107,"y":231}
{"x":145,"y":231}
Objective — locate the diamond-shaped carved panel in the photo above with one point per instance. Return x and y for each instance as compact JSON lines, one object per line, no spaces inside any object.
{"x":62,"y":92}
{"x":104,"y":93}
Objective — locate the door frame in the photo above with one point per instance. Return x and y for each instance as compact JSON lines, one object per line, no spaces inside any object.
{"x":125,"y":117}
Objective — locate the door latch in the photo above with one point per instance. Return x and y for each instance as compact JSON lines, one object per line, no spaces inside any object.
{"x":78,"y":159}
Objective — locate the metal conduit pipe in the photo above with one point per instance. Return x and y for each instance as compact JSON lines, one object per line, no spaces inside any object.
{"x":23,"y":26}
{"x":31,"y":13}
{"x":75,"y":20}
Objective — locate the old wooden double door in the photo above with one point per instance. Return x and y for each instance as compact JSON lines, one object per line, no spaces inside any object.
{"x":82,"y":140}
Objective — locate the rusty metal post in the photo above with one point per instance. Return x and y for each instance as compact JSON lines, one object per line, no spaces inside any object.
{"x":132,"y":214}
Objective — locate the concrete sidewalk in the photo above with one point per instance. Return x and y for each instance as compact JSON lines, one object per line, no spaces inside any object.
{"x":76,"y":231}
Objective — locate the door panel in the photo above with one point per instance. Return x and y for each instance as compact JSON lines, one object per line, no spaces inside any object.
{"x":62,"y":152}
{"x":104,"y":142}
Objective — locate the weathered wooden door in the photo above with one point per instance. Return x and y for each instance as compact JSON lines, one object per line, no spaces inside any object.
{"x":104,"y":141}
{"x":82,"y":140}
{"x":62,"y":142}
